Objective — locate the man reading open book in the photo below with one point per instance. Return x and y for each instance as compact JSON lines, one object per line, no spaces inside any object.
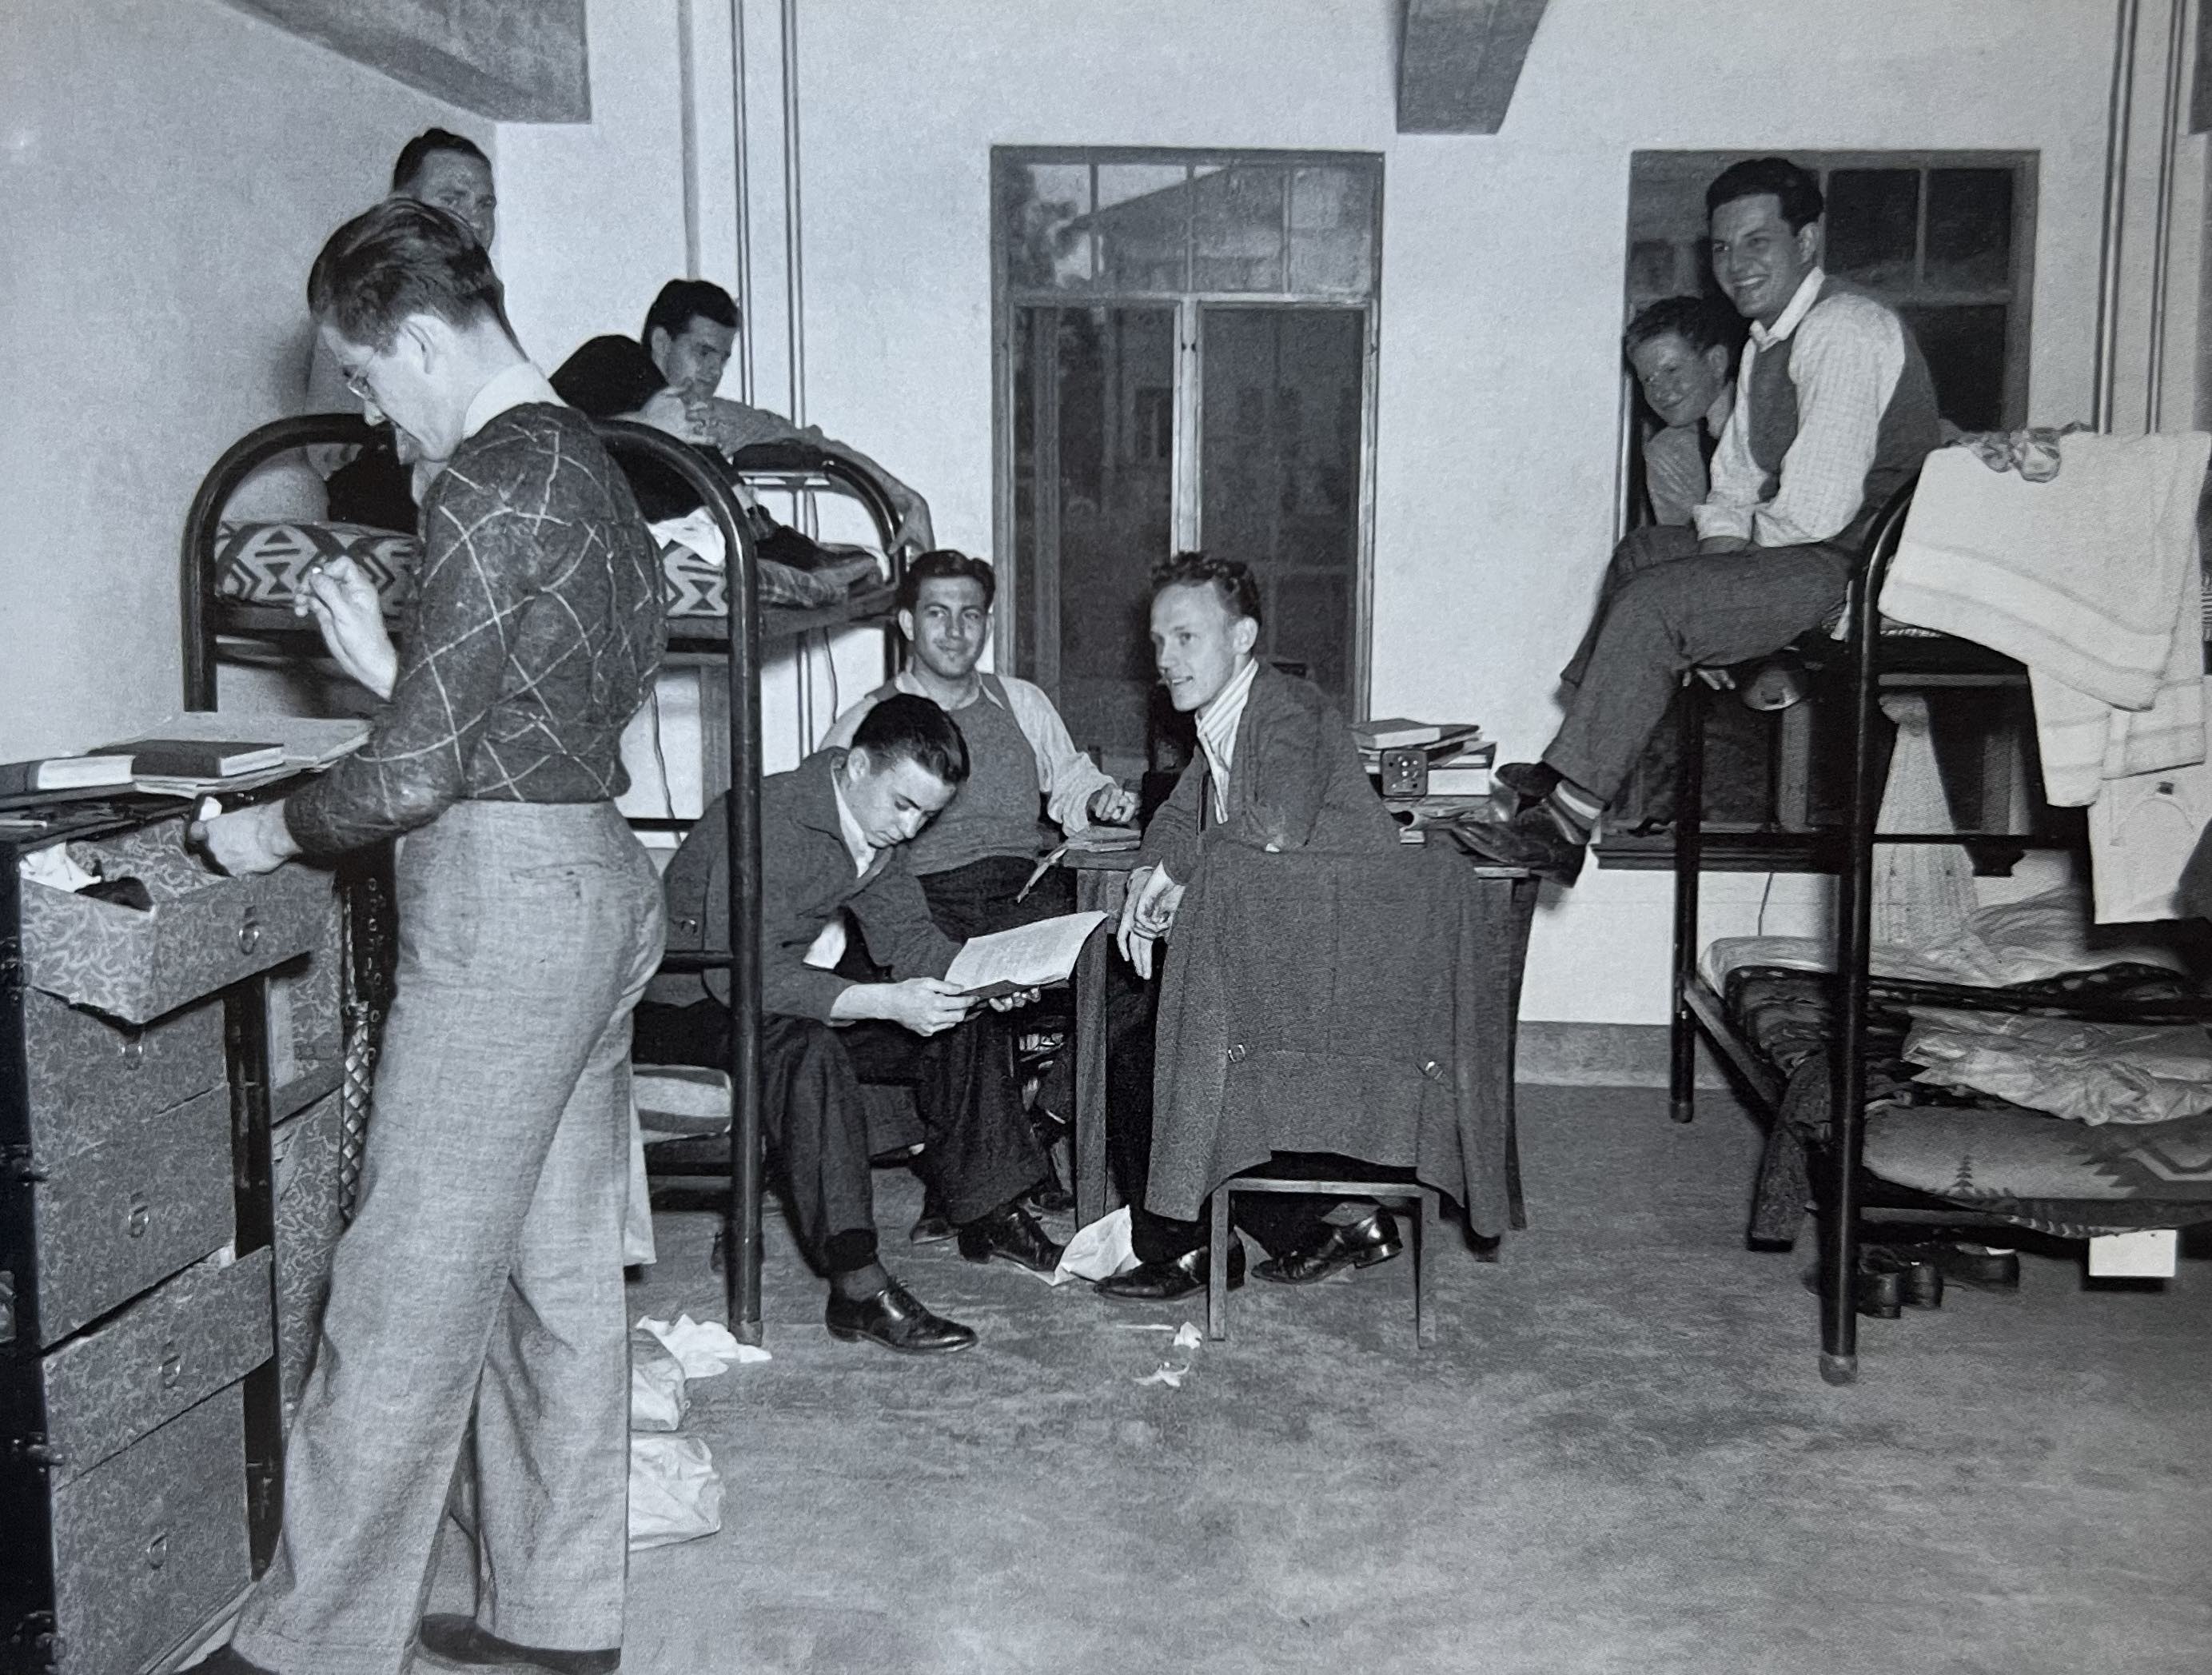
{"x":834,"y":836}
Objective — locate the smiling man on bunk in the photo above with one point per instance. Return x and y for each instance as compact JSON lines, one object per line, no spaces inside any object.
{"x":1834,"y":412}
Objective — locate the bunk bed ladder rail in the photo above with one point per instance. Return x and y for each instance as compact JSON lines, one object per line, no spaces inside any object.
{"x":740,"y":956}
{"x":1839,"y":1227}
{"x":199,"y":599}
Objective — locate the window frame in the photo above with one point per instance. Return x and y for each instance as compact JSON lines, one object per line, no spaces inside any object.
{"x":2017,"y":297}
{"x":1186,"y":438}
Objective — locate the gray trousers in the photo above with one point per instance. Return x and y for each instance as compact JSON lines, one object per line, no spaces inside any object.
{"x":1664,"y":609}
{"x":482,"y":1275}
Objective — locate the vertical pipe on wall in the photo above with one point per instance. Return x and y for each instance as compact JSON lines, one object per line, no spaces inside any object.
{"x":2118,"y":122}
{"x":794,"y":274}
{"x":687,"y":102}
{"x":744,"y":196}
{"x":2169,"y":138}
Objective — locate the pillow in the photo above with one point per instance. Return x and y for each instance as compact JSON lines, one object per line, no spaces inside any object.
{"x":261,"y":563}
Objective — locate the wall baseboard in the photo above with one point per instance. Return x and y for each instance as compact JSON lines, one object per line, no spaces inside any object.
{"x":1565,"y":1055}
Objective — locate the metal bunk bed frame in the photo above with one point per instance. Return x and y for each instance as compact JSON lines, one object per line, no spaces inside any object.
{"x":1841,"y":1185}
{"x":206,"y":617}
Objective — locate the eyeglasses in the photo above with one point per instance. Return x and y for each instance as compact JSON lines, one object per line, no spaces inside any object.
{"x":357,"y":381}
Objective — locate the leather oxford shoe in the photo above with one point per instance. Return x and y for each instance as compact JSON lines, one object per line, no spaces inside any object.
{"x":1012,"y":1235}
{"x":894,"y":1320}
{"x":1531,"y":840}
{"x":454,"y":1640}
{"x":1159,"y":1282}
{"x":1362,"y":1245}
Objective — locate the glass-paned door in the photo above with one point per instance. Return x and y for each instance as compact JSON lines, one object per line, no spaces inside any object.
{"x":1186,"y":359}
{"x":1279,"y":474}
{"x":1094,"y":457}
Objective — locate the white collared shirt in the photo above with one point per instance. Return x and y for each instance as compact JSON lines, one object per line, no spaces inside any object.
{"x":828,"y":944}
{"x":856,"y":841}
{"x":519,"y":386}
{"x":1217,"y":731}
{"x":1846,"y":364}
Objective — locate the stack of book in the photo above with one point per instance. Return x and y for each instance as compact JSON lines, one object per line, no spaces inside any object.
{"x":1459,"y":757}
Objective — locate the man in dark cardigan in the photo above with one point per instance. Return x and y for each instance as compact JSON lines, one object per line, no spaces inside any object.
{"x":1276,"y":769}
{"x":834,"y":836}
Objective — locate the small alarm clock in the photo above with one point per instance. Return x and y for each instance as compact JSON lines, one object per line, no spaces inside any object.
{"x":1405,"y":773}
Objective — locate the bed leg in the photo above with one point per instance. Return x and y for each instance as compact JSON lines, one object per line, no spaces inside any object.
{"x":1689,"y":846}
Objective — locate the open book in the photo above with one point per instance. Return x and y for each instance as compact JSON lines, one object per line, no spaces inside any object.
{"x":1035,"y":956}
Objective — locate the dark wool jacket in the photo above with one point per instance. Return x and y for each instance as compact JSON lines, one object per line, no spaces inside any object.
{"x":1295,"y":779}
{"x":807,"y":880}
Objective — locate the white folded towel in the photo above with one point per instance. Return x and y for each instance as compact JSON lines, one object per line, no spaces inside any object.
{"x":2090,"y":579}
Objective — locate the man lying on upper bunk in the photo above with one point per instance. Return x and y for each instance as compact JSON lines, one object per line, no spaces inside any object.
{"x":667,"y":377}
{"x":1834,"y":412}
{"x":835,"y":835}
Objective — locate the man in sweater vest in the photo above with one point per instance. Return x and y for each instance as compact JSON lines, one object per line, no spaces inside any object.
{"x":974,"y":861}
{"x":1834,"y":412}
{"x":975,"y":858}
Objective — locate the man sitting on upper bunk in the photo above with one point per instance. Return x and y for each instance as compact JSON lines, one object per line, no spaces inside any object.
{"x":835,"y":834}
{"x":1682,"y":349}
{"x":974,"y":859}
{"x":667,"y":377}
{"x":1834,"y":412}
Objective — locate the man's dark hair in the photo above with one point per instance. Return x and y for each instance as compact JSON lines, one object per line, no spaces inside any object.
{"x":682,"y":300}
{"x":1794,"y":188}
{"x":1230,"y":579}
{"x":946,"y":564}
{"x":1702,"y":322}
{"x":398,"y":258}
{"x":426,"y":145}
{"x":906,"y":728}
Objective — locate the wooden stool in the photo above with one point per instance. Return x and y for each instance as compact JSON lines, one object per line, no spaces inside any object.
{"x":1425,"y":1226}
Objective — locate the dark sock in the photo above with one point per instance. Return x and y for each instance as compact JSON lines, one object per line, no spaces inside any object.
{"x":853,"y":1248}
{"x":857,"y":1285}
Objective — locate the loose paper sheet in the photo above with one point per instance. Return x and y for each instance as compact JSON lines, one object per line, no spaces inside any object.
{"x":1027,"y":957}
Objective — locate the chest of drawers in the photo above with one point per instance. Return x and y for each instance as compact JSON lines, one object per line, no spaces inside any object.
{"x":143,"y":1054}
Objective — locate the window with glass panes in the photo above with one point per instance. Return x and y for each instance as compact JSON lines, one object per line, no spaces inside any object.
{"x":1185,"y":358}
{"x":1946,"y":238}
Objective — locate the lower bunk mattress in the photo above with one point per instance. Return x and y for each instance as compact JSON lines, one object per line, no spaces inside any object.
{"x":1991,"y":1155}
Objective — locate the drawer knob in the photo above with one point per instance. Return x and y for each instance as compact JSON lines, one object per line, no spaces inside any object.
{"x":249,"y":935}
{"x":172,"y":1365}
{"x":157,"y":1551}
{"x":134,"y":1050}
{"x":141,"y":1217}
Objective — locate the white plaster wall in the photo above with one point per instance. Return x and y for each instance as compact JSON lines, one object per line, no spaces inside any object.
{"x":168,"y":169}
{"x":1501,"y":278}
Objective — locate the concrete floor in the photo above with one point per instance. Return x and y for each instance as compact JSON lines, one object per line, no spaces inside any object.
{"x":1618,"y":1456}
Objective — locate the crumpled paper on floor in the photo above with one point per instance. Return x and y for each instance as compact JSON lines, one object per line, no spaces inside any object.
{"x":658,"y":1401}
{"x":703,"y":1347}
{"x":1167,"y":1373}
{"x":675,"y":1493}
{"x":1096,"y":1252}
